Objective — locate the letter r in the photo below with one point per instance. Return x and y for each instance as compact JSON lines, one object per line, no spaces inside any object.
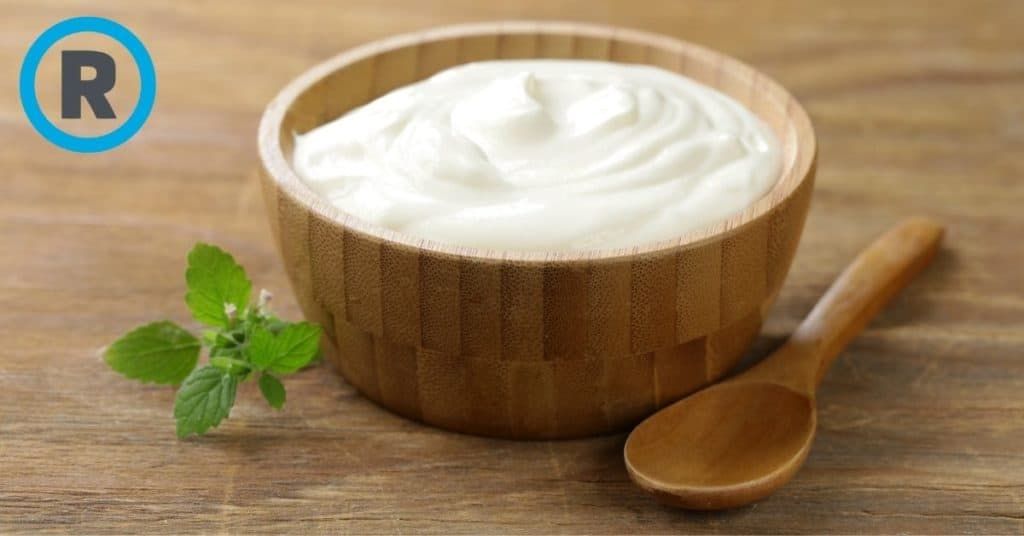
{"x":73,"y":88}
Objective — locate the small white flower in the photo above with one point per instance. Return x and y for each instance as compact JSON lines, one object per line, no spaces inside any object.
{"x":230,"y":309}
{"x":265,"y":297}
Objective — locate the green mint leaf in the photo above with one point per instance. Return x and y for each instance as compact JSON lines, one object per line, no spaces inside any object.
{"x":210,"y":337}
{"x":292,"y":348}
{"x":272,"y":390}
{"x":204,"y":399}
{"x":161,"y":352}
{"x":275,"y":324}
{"x":214,"y":281}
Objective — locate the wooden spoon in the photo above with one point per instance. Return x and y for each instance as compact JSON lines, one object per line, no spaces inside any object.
{"x":738,"y":441}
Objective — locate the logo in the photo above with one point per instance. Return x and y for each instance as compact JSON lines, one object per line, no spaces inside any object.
{"x":74,"y":89}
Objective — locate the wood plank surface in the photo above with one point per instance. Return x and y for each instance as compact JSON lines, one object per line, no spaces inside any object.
{"x":919,"y":108}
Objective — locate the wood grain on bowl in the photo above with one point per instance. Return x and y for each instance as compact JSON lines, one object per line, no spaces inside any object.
{"x":529,"y":344}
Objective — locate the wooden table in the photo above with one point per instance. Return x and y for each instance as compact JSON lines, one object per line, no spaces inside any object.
{"x":919,"y":107}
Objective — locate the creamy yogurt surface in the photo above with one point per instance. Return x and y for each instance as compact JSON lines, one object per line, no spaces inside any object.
{"x":544,"y":155}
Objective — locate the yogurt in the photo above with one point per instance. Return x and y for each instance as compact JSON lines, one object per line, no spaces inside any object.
{"x":543,"y":155}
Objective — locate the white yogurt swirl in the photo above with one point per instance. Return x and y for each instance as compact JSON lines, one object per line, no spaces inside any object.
{"x":544,"y":155}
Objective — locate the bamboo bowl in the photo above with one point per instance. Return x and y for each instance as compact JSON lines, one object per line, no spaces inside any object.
{"x":529,"y":345}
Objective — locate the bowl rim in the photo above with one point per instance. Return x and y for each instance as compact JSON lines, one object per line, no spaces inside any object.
{"x":795,"y":170}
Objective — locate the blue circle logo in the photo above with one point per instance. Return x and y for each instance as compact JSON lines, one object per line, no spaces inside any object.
{"x":86,"y":144}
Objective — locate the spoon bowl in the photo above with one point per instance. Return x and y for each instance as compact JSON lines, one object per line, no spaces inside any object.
{"x":717,"y":439}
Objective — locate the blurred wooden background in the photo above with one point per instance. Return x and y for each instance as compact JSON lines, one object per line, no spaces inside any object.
{"x":919,"y":108}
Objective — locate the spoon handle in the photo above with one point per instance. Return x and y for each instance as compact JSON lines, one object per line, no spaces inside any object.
{"x":860,"y":292}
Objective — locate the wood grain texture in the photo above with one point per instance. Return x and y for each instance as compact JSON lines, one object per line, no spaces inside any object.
{"x":917,"y":108}
{"x":452,"y":306}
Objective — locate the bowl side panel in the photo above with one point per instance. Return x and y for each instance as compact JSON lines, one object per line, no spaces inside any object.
{"x":531,"y":399}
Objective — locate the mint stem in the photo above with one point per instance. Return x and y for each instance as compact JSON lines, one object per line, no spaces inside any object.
{"x":226,"y":363}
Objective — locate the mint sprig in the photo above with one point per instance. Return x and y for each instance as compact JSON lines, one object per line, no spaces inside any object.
{"x":244,"y":337}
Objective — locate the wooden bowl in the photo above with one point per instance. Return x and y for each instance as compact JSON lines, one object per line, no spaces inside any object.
{"x":518,"y":344}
